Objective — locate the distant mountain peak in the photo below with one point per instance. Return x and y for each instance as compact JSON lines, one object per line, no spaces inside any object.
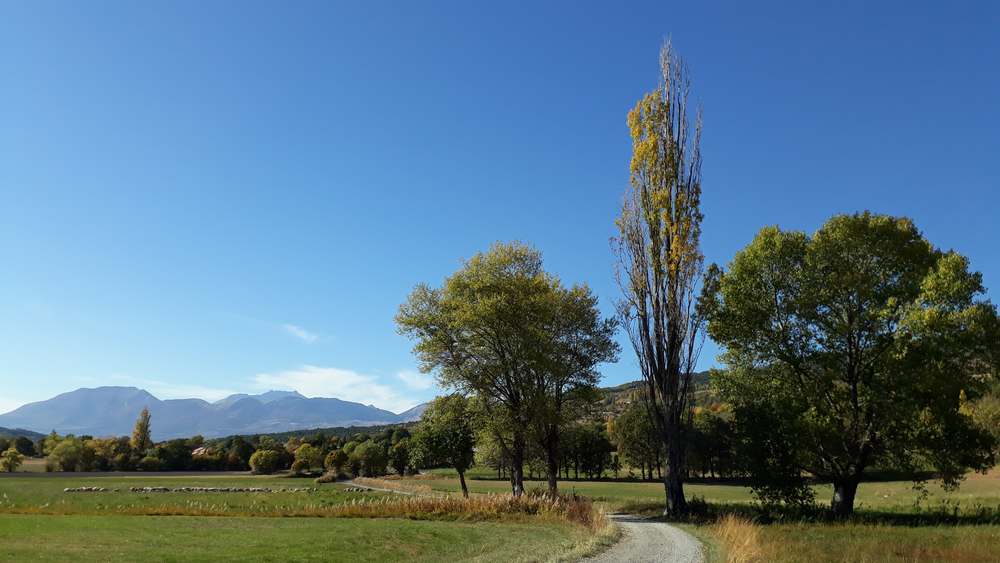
{"x":112,"y":411}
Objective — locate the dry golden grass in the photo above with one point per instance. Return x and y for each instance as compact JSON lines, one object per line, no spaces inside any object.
{"x":578,"y":511}
{"x":401,"y":485}
{"x":740,"y":537}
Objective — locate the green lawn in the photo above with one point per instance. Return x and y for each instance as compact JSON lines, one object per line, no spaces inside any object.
{"x":45,"y":495}
{"x":891,"y":496}
{"x":186,"y":538}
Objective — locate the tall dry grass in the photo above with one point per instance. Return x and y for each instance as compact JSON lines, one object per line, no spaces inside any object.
{"x":741,"y":539}
{"x":403,"y":486}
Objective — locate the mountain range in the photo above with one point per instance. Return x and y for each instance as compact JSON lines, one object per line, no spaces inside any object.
{"x":112,"y":411}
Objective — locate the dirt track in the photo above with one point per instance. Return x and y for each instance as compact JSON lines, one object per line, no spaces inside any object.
{"x":648,"y":540}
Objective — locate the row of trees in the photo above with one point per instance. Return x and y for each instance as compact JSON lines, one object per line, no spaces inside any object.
{"x":861,"y":346}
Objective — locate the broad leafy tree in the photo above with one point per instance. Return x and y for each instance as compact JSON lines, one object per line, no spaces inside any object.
{"x":503,"y":330}
{"x":861,"y":341}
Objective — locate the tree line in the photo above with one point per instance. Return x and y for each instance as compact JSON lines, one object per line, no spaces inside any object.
{"x":861,"y":347}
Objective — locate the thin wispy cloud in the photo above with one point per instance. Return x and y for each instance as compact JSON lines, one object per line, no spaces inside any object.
{"x":300,"y":333}
{"x":349,"y":385}
{"x":416,"y":380}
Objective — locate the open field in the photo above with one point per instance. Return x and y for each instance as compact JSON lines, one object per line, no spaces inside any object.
{"x":39,"y":521}
{"x":818,"y":541}
{"x":164,"y":538}
{"x":889,"y":496}
{"x":44,"y":495}
{"x":863,"y":543}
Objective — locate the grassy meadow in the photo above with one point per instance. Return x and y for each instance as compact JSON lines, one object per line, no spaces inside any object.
{"x":39,"y":521}
{"x":895,"y":522}
{"x":172,"y":538}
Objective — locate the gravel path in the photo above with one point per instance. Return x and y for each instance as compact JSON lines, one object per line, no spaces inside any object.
{"x":649,"y":540}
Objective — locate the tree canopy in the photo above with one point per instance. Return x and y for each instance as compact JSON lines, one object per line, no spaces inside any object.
{"x":860,"y":341}
{"x":507,"y":332}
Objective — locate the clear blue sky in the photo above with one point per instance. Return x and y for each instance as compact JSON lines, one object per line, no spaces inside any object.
{"x":205,"y":197}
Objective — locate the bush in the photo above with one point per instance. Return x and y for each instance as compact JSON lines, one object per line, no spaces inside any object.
{"x":335,"y":461}
{"x":300,"y":466}
{"x":149,"y":463}
{"x":264,"y":462}
{"x":10,"y":460}
{"x":328,"y":477}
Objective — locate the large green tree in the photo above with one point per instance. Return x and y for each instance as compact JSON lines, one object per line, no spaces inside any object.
{"x":503,"y":330}
{"x":660,"y":260}
{"x":862,"y":339}
{"x":578,"y":339}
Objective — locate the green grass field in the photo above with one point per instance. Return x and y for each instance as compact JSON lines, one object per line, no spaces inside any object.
{"x":889,"y":496}
{"x":44,"y":495}
{"x":39,"y":521}
{"x":813,"y":541}
{"x":184,"y":538}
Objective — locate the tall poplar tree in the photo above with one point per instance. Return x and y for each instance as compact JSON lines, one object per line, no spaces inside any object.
{"x":141,"y":437}
{"x":660,"y":260}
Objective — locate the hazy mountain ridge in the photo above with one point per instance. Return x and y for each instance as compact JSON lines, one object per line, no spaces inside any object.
{"x":106,"y":411}
{"x":15,"y":432}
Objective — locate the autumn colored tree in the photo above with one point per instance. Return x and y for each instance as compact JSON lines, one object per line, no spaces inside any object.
{"x":142,"y":438}
{"x":660,"y":260}
{"x":10,"y":460}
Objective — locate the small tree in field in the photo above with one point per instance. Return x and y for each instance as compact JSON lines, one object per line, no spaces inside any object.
{"x":399,"y":455}
{"x":446,"y":436}
{"x":264,"y":462}
{"x":10,"y":460}
{"x":141,"y":436}
{"x":310,"y":455}
{"x":336,"y":461}
{"x":854,"y":348}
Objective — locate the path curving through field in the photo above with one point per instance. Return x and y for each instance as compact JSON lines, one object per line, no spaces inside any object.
{"x":649,"y":540}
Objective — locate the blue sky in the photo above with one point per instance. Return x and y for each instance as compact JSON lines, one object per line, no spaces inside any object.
{"x":201,"y":198}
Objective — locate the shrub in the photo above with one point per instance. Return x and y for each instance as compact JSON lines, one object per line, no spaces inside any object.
{"x":311,"y":455}
{"x":10,"y":460}
{"x":300,"y":466}
{"x":264,"y":462}
{"x":149,"y":463}
{"x":328,"y":477}
{"x":335,"y":461}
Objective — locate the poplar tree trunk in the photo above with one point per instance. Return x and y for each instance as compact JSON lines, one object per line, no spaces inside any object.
{"x":673,"y":478}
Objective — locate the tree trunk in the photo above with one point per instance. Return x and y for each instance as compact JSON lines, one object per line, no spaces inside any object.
{"x":461,"y":479}
{"x":517,"y":465}
{"x":844,"y":491}
{"x":673,"y":477}
{"x":552,"y":461}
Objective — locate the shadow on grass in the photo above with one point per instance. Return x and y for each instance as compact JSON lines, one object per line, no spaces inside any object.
{"x":943,"y":513}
